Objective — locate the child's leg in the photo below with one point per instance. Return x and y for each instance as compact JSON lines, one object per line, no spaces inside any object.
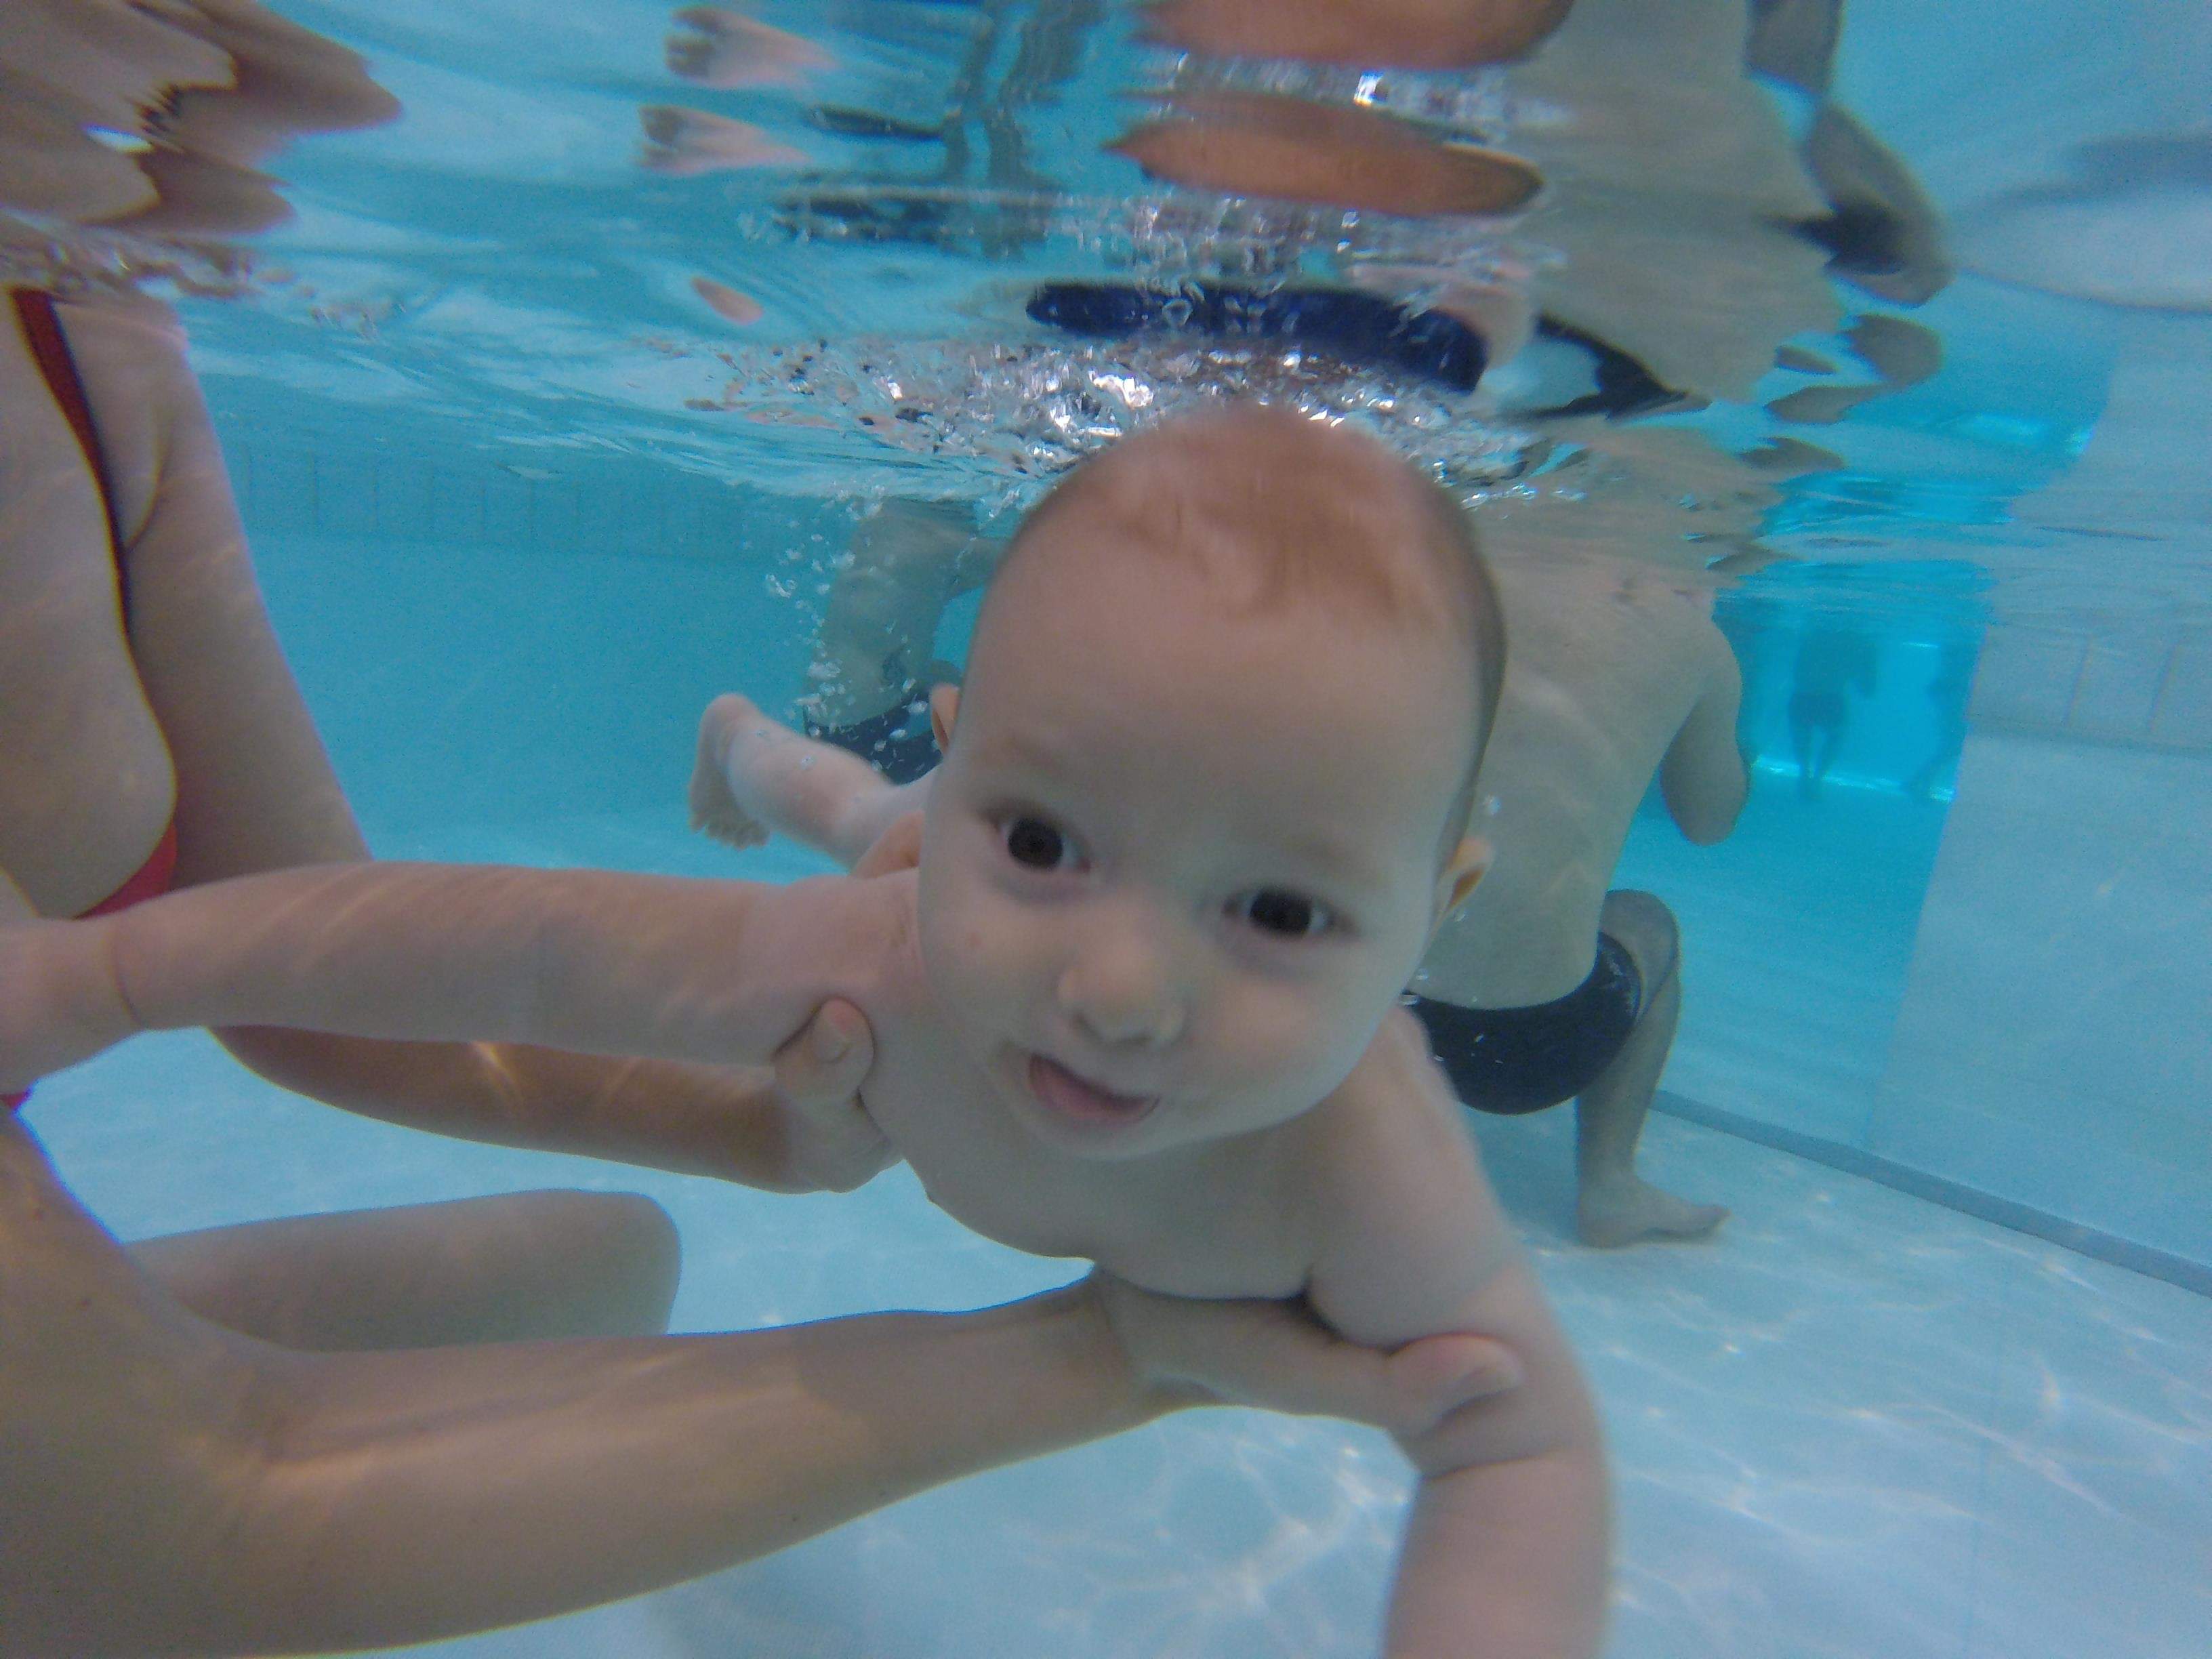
{"x":756,"y":777}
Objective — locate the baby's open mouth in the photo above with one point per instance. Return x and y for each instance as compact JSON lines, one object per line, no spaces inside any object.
{"x":1071,"y":1096}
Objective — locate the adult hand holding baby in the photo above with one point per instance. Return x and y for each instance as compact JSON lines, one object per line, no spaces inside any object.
{"x":834,"y":1145}
{"x":1278,"y":1358}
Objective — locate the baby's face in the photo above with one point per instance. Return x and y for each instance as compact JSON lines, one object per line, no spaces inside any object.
{"x":1179,"y":860}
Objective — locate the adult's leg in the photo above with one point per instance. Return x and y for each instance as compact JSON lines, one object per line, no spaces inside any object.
{"x":512,"y":1267}
{"x":908,"y":559}
{"x":1615,"y":1206}
{"x":1803,"y":735}
{"x":1828,"y":745}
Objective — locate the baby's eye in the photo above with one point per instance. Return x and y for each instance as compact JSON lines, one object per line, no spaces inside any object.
{"x":1036,"y":845}
{"x":1283,"y":914}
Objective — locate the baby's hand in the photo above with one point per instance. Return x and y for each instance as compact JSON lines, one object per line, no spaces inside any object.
{"x":1275,"y":1355}
{"x":59,"y":1002}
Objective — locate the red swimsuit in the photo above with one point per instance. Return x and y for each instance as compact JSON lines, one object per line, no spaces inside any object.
{"x":42,"y":332}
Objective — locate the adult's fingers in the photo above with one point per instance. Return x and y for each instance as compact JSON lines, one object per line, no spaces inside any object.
{"x":828,"y":1060}
{"x":1437,"y":1375}
{"x":1406,"y":1391}
{"x":1276,"y":1356}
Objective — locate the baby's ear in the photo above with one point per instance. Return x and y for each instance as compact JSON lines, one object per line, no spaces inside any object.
{"x":1462,"y":873}
{"x":944,"y":705}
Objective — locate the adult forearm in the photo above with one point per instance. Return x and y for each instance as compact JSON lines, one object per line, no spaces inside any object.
{"x":662,"y":1114}
{"x":616,"y":964}
{"x":1506,"y":1561}
{"x":410,"y":1496}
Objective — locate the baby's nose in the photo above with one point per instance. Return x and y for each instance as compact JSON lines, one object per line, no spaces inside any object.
{"x":1121,"y":988}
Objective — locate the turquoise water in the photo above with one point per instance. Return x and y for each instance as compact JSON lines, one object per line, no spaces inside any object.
{"x":1942,"y":1386}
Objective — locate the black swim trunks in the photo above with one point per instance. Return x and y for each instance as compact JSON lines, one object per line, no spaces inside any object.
{"x":897,"y":742}
{"x":1523,"y":1060}
{"x":1361,"y":329}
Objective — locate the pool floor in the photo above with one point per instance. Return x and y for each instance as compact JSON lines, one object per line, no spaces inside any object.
{"x":1853,"y":1424}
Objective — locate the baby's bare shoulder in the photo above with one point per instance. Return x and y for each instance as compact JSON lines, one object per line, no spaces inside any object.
{"x":1420,"y":1180}
{"x":1397,"y":1102}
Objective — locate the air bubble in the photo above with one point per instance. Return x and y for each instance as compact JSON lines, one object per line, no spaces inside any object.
{"x":1010,"y":416}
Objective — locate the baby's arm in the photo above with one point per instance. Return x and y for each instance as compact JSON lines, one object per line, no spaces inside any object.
{"x":704,"y":971}
{"x":1506,"y":1554}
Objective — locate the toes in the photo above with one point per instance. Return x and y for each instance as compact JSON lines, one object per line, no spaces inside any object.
{"x":1700,"y":1219}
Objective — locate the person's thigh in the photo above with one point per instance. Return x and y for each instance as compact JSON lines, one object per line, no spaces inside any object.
{"x":1646,"y":928}
{"x":517,"y":1267}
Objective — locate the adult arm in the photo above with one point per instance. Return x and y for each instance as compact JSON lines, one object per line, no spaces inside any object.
{"x":1505,"y":1555}
{"x":715,"y":972}
{"x":1703,"y":777}
{"x":170,"y":1487}
{"x":256,"y":792}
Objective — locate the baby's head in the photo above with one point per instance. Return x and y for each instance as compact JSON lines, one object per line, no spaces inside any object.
{"x":1206,"y":788}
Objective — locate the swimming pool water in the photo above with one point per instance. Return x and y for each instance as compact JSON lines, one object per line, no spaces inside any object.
{"x":521,"y":508}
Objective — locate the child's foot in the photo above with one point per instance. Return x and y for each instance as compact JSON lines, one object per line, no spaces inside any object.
{"x":715,"y":809}
{"x":1615,"y":1214}
{"x":754,"y":777}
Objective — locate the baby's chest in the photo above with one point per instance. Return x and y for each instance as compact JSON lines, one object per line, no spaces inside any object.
{"x":1163,"y":1227}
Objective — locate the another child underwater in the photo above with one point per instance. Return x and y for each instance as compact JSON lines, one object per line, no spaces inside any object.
{"x":1204,"y":801}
